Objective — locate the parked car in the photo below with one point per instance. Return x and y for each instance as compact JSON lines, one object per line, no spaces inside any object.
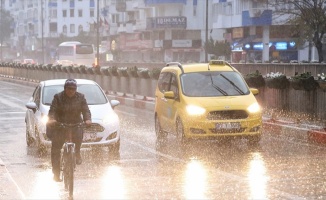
{"x":64,"y":63}
{"x":205,"y":101}
{"x":29,"y":61}
{"x":294,"y":61}
{"x":107,"y":131}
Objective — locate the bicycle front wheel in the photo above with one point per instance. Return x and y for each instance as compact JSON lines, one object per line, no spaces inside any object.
{"x":69,"y":171}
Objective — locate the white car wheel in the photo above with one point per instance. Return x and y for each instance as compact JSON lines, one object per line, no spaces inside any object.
{"x":29,"y":139}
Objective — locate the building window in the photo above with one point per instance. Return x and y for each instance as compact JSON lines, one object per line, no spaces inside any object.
{"x":80,"y":13}
{"x":53,"y":13}
{"x":115,"y":18}
{"x":72,"y":12}
{"x":64,"y":30}
{"x":64,"y":13}
{"x":72,"y":28}
{"x":80,"y":28}
{"x":53,"y":27}
{"x":91,"y":13}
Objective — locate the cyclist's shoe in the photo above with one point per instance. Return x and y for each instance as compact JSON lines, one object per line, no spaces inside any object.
{"x":78,"y":159}
{"x":56,"y":178}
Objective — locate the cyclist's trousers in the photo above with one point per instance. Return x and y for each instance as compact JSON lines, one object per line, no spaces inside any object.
{"x":57,"y":142}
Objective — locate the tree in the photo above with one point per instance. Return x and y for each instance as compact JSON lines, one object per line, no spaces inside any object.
{"x":218,"y":48}
{"x":307,"y":18}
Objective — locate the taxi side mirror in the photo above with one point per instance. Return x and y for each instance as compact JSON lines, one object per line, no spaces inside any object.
{"x":169,"y":95}
{"x":254,"y":91}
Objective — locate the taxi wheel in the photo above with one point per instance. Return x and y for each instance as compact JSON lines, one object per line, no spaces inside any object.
{"x":180,"y":136}
{"x":160,"y":135}
{"x":254,"y":140}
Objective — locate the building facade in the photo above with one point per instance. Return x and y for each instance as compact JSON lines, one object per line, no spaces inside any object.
{"x":153,"y":30}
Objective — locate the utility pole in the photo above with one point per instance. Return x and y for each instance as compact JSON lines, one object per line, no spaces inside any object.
{"x":98,"y":34}
{"x":206,"y":31}
{"x":1,"y":21}
{"x":42,"y":29}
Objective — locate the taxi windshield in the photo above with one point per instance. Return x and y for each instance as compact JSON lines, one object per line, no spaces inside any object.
{"x":211,"y":84}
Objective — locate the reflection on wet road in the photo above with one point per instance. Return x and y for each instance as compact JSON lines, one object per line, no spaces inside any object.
{"x":280,"y":168}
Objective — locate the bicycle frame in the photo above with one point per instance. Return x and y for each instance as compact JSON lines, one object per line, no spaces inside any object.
{"x":68,"y":158}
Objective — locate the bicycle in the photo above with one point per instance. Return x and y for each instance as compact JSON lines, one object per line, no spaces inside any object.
{"x":68,"y":157}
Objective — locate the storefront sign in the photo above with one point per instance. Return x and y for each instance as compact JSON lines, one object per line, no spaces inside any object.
{"x":181,"y":43}
{"x":237,"y":33}
{"x":166,"y":22}
{"x":276,"y":46}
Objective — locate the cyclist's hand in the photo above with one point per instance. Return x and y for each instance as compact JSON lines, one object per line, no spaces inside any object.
{"x":88,"y":122}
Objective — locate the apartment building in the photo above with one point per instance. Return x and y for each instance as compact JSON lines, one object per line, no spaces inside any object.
{"x":154,"y":30}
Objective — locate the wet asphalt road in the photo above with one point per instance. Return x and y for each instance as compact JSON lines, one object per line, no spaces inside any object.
{"x":281,"y":168}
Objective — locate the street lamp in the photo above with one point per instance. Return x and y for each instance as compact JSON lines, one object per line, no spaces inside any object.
{"x":206,"y":31}
{"x":98,"y":35}
{"x":42,"y":30}
{"x":1,"y":21}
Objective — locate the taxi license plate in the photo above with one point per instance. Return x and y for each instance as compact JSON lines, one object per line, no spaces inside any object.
{"x":89,"y":136}
{"x":228,"y":125}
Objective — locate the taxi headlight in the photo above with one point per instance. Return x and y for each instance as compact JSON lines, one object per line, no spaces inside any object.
{"x":195,"y":110}
{"x":254,"y":108}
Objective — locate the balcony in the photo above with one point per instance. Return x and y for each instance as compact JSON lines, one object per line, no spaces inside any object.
{"x":140,"y":25}
{"x":153,"y":2}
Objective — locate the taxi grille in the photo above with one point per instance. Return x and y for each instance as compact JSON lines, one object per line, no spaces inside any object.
{"x":221,"y":131}
{"x":94,"y":128}
{"x":227,"y":114}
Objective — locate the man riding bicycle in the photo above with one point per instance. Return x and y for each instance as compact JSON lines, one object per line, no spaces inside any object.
{"x":67,"y":107}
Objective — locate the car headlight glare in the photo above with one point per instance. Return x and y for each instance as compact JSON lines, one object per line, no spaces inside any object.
{"x":254,"y":108}
{"x":195,"y":110}
{"x":110,"y":119}
{"x":44,"y":119}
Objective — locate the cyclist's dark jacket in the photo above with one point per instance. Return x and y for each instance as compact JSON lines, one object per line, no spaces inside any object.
{"x":69,"y":110}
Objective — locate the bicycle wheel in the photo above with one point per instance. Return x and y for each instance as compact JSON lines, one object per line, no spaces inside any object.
{"x":65,"y":168}
{"x":71,"y":169}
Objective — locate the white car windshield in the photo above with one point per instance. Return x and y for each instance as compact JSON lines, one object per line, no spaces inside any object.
{"x":93,"y":94}
{"x":211,"y":84}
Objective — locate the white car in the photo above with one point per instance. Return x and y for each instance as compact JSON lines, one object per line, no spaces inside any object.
{"x":107,"y":131}
{"x":64,"y":62}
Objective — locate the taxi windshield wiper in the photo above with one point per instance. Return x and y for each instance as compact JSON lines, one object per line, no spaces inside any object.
{"x":218,"y":88}
{"x":234,"y":85}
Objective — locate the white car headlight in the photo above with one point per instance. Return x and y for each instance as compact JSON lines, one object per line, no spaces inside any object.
{"x":254,"y":108}
{"x":195,"y":110}
{"x":112,"y":118}
{"x":44,"y":119}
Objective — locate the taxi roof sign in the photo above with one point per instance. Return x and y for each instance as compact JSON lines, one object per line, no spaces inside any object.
{"x":217,"y":62}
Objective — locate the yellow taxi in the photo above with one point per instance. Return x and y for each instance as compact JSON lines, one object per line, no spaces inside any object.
{"x":206,"y":101}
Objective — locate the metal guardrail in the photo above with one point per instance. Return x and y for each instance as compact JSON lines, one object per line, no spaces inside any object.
{"x":304,"y":103}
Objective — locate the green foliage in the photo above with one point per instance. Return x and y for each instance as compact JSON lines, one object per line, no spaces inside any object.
{"x":302,"y":75}
{"x":253,"y":74}
{"x":218,"y":48}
